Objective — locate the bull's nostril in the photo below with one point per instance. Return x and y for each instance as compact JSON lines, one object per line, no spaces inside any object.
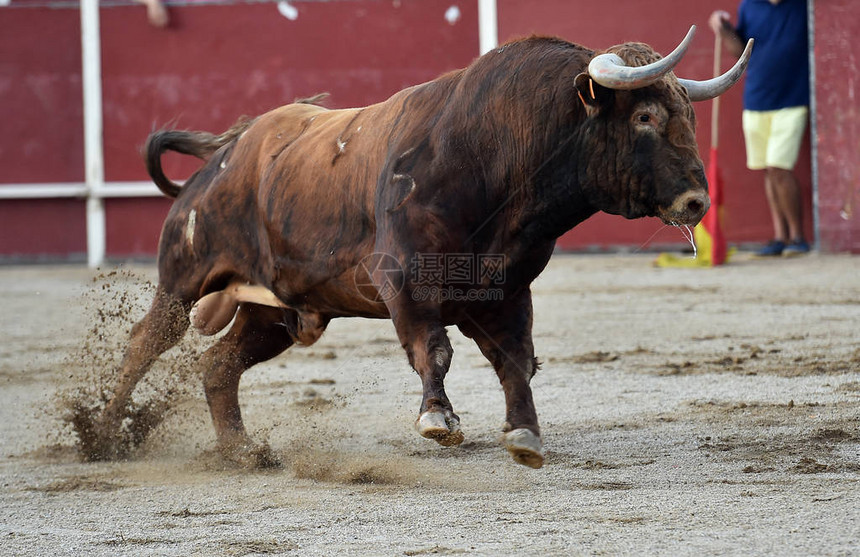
{"x":694,"y":206}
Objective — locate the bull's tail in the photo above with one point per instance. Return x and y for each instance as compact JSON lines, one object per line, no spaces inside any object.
{"x":198,"y":144}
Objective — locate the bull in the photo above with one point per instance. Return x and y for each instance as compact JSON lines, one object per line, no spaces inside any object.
{"x":306,"y":214}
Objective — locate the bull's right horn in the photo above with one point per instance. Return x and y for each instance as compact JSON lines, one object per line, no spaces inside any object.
{"x":611,"y":71}
{"x":704,"y":90}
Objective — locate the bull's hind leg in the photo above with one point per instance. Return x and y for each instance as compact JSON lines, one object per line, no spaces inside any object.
{"x":259,"y":333}
{"x":161,"y":328}
{"x":505,"y":338}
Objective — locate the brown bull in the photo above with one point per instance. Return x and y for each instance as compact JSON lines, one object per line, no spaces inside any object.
{"x":306,"y":214}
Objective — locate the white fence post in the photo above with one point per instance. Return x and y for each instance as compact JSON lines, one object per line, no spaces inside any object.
{"x":93,"y":147}
{"x":488,"y":28}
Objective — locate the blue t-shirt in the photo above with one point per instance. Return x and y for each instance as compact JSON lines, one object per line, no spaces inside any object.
{"x":778,"y":72}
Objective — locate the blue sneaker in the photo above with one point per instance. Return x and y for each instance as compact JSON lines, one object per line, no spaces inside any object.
{"x":796,"y":247}
{"x":773,"y":249}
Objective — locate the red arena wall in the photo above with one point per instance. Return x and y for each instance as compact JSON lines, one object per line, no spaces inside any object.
{"x":213,"y":64}
{"x":837,"y":119}
{"x":218,"y":61}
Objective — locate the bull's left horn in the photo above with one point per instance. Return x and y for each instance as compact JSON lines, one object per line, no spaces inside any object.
{"x":611,"y":71}
{"x":704,"y":90}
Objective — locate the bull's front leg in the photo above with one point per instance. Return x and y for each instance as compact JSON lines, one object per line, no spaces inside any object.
{"x":419,"y":327}
{"x":429,"y":352}
{"x":504,"y":336}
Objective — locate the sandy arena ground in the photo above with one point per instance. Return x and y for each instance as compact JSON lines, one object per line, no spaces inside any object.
{"x":685,"y":412}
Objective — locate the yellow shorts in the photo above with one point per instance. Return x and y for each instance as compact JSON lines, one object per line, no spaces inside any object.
{"x":773,"y":137}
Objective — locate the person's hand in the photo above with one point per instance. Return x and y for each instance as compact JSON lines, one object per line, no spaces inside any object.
{"x":156,"y":13}
{"x":718,"y":20}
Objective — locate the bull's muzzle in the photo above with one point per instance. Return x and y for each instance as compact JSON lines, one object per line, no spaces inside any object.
{"x":688,"y":208}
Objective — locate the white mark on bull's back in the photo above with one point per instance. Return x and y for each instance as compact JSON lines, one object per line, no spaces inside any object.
{"x":189,"y":227}
{"x":340,"y":145}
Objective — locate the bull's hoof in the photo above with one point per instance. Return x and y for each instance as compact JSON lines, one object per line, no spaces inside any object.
{"x":100,"y":447}
{"x":444,"y":428}
{"x":98,"y":437}
{"x":250,"y":455}
{"x":525,"y":447}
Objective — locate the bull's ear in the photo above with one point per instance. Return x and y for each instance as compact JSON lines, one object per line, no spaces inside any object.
{"x":592,"y":94}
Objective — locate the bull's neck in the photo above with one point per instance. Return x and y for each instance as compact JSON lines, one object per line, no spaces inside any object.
{"x":518,"y":117}
{"x":540,"y":159}
{"x":551,"y":191}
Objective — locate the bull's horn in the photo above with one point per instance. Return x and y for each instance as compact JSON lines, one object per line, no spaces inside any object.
{"x":704,"y":90}
{"x":611,"y":71}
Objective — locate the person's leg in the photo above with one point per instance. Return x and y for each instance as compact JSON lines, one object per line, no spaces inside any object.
{"x":783,"y":149}
{"x":757,"y":128}
{"x":786,"y":208}
{"x":772,"y":186}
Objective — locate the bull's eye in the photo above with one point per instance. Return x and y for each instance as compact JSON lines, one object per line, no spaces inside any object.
{"x":649,"y":117}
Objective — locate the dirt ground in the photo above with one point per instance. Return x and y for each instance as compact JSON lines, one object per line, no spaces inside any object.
{"x":684,"y":411}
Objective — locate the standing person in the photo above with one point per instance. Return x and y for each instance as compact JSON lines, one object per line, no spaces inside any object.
{"x":776,"y":105}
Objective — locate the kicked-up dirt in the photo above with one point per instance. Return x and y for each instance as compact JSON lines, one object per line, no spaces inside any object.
{"x":684,"y":412}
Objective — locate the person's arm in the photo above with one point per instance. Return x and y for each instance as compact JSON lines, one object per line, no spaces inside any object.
{"x":719,"y":23}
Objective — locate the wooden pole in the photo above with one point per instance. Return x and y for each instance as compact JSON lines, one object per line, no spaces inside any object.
{"x":715,"y":107}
